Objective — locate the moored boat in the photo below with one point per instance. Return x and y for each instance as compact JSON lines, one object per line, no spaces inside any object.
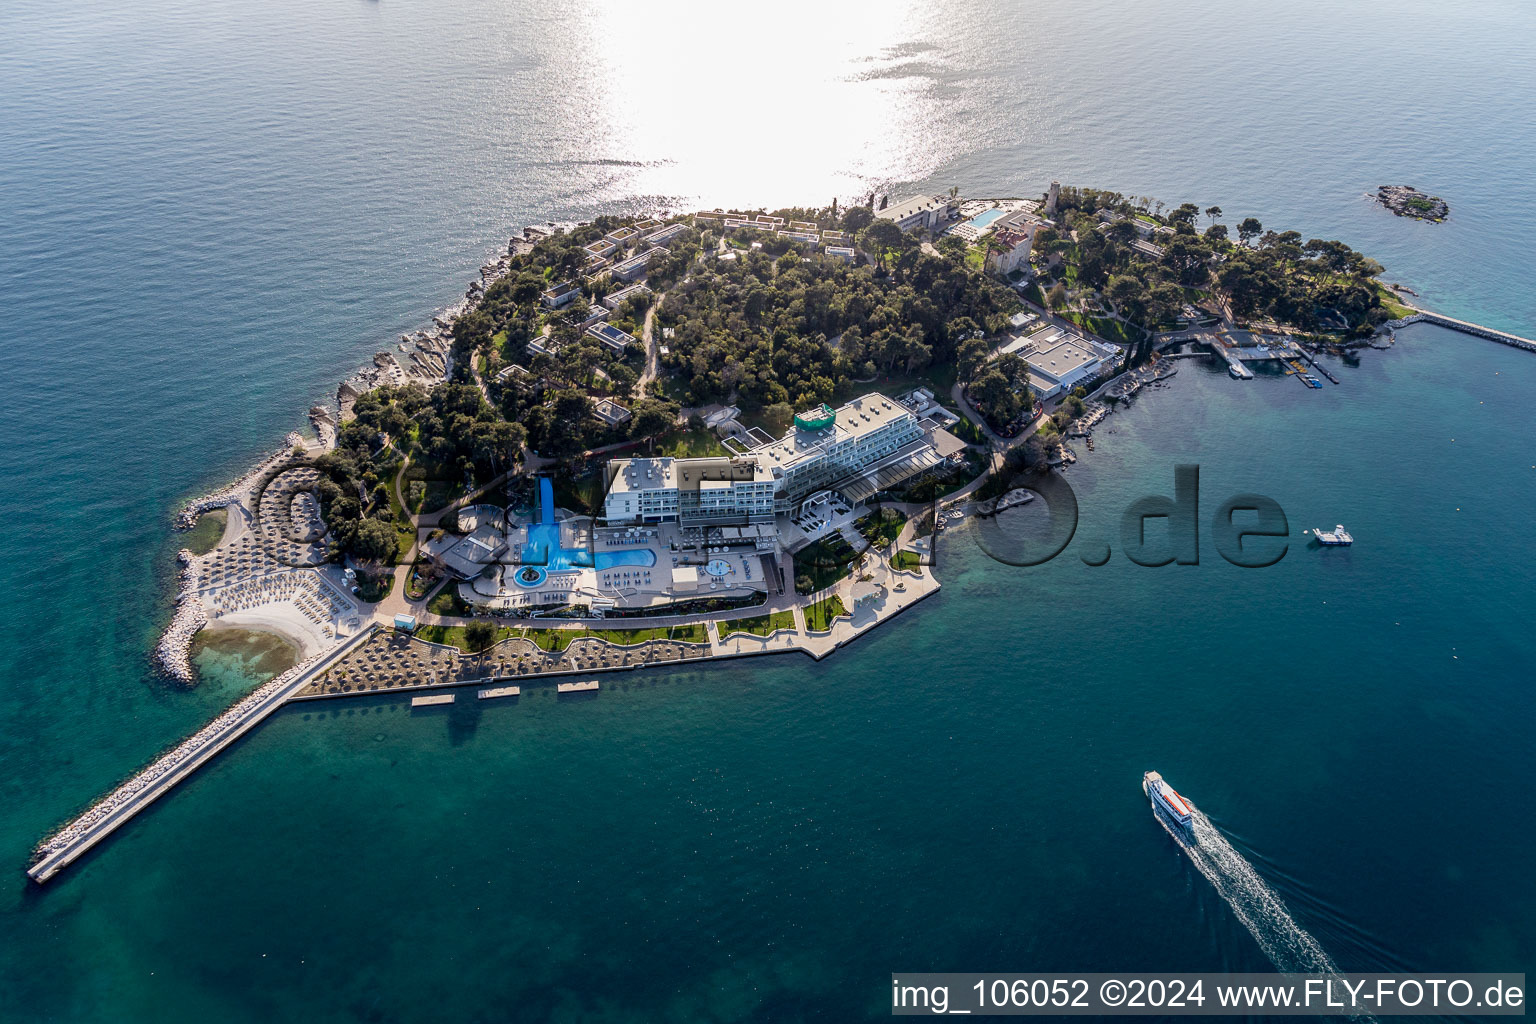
{"x":1338,"y":537}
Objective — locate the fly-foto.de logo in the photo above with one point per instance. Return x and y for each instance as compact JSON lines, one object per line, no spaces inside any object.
{"x":1248,"y":530}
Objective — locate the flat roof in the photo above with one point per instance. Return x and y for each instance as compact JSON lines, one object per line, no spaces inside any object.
{"x":1061,"y":356}
{"x":854,"y":418}
{"x":910,"y":206}
{"x":683,"y":474}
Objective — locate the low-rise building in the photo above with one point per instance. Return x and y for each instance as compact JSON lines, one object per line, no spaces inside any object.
{"x":660,"y":490}
{"x":636,"y":265}
{"x":842,"y":252}
{"x":622,"y":236}
{"x":803,"y":225}
{"x":611,"y":336}
{"x":601,"y":247}
{"x":664,"y":234}
{"x":611,"y":412}
{"x":560,"y":295}
{"x":544,"y":345}
{"x":802,"y":237}
{"x":1151,"y":250}
{"x":921,"y":213}
{"x":613,"y":300}
{"x":1059,"y":362}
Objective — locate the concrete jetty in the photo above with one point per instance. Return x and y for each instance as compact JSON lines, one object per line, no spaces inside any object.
{"x":500,"y":691}
{"x":432,"y":700}
{"x":109,"y":814}
{"x":584,"y":686}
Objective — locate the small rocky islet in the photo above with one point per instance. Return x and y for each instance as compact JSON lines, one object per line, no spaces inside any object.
{"x":1407,"y":201}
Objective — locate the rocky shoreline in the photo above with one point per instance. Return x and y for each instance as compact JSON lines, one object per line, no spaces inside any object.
{"x":225,"y":497}
{"x":1407,"y":201}
{"x":428,"y":359}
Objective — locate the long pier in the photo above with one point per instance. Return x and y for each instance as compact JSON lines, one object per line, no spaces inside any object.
{"x":1424,"y":316}
{"x":119,"y":807}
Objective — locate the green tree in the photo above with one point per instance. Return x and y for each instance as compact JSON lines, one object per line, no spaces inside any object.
{"x":1248,"y":229}
{"x":373,"y":541}
{"x":879,"y":238}
{"x":778,"y":415}
{"x":652,"y":417}
{"x":479,"y":635}
{"x":857,"y":218}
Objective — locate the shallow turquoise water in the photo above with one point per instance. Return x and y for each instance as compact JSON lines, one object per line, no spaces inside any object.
{"x":213,"y":212}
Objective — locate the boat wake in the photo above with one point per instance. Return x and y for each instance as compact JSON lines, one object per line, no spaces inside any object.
{"x":1289,"y":946}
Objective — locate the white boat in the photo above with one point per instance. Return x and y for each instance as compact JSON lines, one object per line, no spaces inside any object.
{"x":1017,"y":496}
{"x":1338,"y":537}
{"x":1167,"y":805}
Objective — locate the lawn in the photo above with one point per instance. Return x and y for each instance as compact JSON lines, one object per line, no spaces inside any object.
{"x":823,"y":563}
{"x":937,"y":377}
{"x":1390,"y":303}
{"x":759,"y":625}
{"x":819,"y":616}
{"x":448,"y":602}
{"x":1104,"y":327}
{"x":560,"y":639}
{"x":453,"y":636}
{"x":372,"y":590}
{"x":907,"y":560}
{"x":424,"y":494}
{"x":881,"y":526}
{"x":682,"y":443}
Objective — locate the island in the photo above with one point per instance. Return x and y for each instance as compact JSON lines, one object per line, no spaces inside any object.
{"x":1407,"y":201}
{"x":667,"y":438}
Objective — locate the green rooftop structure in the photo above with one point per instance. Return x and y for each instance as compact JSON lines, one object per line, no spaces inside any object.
{"x":819,"y":418}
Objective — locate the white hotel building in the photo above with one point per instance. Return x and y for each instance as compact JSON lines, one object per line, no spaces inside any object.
{"x":864,"y":446}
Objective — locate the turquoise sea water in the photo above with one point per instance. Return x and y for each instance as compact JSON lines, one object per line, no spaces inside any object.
{"x":211,"y":212}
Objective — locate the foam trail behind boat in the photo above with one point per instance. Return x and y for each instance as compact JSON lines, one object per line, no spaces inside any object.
{"x":1289,"y":946}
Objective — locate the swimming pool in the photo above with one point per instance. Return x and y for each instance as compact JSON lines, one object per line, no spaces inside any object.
{"x":983,"y":220}
{"x":543,"y":546}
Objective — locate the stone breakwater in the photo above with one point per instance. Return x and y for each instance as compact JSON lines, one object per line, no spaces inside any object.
{"x":167,"y":763}
{"x":1424,"y":316}
{"x":173,"y":654}
{"x":235,"y":492}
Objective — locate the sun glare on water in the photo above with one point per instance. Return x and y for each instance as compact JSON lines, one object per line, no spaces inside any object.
{"x":791,"y":102}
